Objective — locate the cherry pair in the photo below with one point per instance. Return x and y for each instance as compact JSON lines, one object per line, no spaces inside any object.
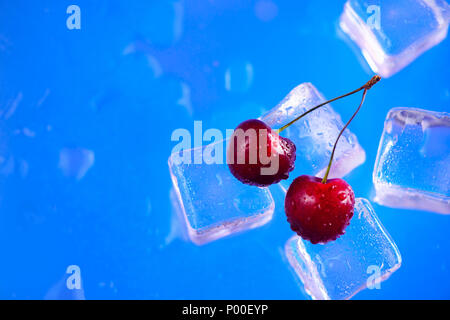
{"x":317,"y":209}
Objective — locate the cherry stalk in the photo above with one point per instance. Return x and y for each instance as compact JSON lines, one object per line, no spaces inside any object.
{"x":319,"y":210}
{"x":367,"y":86}
{"x":282,"y":151}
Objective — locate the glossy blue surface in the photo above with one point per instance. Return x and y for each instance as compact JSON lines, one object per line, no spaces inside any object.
{"x":64,"y":91}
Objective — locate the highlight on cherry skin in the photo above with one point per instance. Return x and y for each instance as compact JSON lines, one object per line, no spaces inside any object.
{"x":319,"y":212}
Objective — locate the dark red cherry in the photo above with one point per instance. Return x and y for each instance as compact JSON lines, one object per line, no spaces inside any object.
{"x":258,"y":156}
{"x":319,"y":212}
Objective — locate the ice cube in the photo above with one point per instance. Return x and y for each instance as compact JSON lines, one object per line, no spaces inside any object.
{"x":393,"y":33}
{"x":412,"y":169}
{"x":363,"y":257}
{"x":314,"y":135}
{"x":213,"y":203}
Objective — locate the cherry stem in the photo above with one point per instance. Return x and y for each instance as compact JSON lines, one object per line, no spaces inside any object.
{"x":367,"y":86}
{"x":324,"y":180}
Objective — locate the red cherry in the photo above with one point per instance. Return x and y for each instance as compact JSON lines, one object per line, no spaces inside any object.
{"x":319,"y":212}
{"x":268,"y":166}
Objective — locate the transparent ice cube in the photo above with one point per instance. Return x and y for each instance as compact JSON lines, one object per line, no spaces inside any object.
{"x":412,"y":169}
{"x":314,"y":135}
{"x":362,"y":258}
{"x":393,"y":33}
{"x":213,"y":203}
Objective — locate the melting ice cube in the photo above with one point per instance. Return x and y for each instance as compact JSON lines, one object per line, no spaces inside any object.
{"x":215,"y":204}
{"x":75,"y":162}
{"x":393,"y":33}
{"x":412,"y":169}
{"x":362,"y":258}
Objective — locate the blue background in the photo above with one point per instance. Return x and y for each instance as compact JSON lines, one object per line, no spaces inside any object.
{"x":95,"y":89}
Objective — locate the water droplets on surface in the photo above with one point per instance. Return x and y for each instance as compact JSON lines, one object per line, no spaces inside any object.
{"x":75,"y":162}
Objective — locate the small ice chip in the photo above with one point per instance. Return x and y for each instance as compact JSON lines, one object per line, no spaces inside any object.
{"x":75,"y":162}
{"x":213,"y":203}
